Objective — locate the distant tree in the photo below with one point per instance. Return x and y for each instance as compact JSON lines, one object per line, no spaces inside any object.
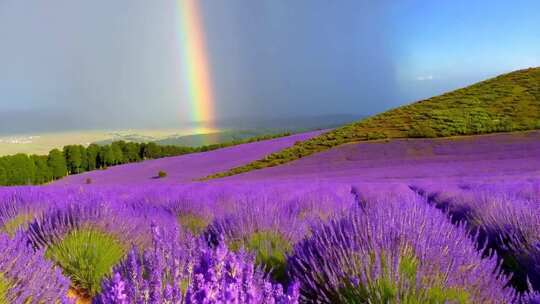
{"x":151,"y":150}
{"x":3,"y":173}
{"x":106,"y":156}
{"x":43,"y":173}
{"x":57,"y":163}
{"x":84,"y":159}
{"x":131,"y":152}
{"x":142,"y":150}
{"x":20,"y":169}
{"x":92,"y":157}
{"x":116,"y":148}
{"x":100,"y":160}
{"x":72,"y":154}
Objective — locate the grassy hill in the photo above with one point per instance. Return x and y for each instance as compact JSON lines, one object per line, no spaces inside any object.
{"x":197,"y":140}
{"x":509,"y":102}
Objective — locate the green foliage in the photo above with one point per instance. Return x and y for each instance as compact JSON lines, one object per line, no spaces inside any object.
{"x":422,"y":130}
{"x":162,"y":174}
{"x":4,"y":289}
{"x":506,"y":103}
{"x":73,"y":157}
{"x":193,"y":223}
{"x":21,"y":169}
{"x":92,"y":157}
{"x":86,"y":256}
{"x":118,"y":155}
{"x":106,"y":156}
{"x":20,"y":221}
{"x":131,"y":152}
{"x":44,"y":173}
{"x":150,"y":150}
{"x":3,"y":175}
{"x":270,"y":250}
{"x":57,"y":163}
{"x":389,"y":287}
{"x":84,"y":159}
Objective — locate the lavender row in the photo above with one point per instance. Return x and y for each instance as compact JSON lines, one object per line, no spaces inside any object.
{"x":256,"y":243}
{"x":506,"y":217}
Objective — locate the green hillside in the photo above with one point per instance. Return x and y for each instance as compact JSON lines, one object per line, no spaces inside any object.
{"x":510,"y":102}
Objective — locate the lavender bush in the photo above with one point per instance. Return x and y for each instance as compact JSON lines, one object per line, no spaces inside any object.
{"x":88,"y":239}
{"x":26,"y":276}
{"x":187,"y":271}
{"x":19,"y":206}
{"x":400,"y":252}
{"x":508,"y":221}
{"x":269,"y":223}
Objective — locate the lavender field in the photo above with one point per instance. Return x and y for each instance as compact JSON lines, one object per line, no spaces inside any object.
{"x":188,"y":167}
{"x":269,"y":152}
{"x":401,"y":221}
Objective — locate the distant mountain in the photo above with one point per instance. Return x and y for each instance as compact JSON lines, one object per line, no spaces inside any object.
{"x":510,"y":102}
{"x":194,"y":140}
{"x":54,"y":120}
{"x":290,"y":123}
{"x":243,"y":128}
{"x":198,"y":140}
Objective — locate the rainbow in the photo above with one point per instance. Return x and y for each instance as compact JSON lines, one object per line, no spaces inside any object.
{"x":195,"y":65}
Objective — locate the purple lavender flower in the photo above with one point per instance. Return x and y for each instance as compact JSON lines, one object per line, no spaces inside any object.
{"x":270,"y":235}
{"x":116,"y":291}
{"x":25,"y":275}
{"x":177,"y":270}
{"x":88,"y":239}
{"x":395,"y":252}
{"x":19,"y":206}
{"x":124,"y":222}
{"x":507,"y":220}
{"x":268,"y":221}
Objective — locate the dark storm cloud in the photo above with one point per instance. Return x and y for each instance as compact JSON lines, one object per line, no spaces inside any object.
{"x":98,"y":64}
{"x":300,"y":57}
{"x":93,"y":63}
{"x":102,"y":64}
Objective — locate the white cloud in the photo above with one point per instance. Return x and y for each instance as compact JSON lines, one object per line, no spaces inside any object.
{"x":425,"y":77}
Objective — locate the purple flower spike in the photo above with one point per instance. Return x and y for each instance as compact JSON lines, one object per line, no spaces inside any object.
{"x":396,"y":252}
{"x":29,"y":275}
{"x":116,"y":290}
{"x":176,"y":270}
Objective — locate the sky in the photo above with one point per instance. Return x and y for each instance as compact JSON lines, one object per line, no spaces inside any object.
{"x":97,"y":64}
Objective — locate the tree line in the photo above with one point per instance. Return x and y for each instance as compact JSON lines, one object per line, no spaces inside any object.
{"x":23,"y":169}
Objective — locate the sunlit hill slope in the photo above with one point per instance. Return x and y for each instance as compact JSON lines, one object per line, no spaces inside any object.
{"x":509,"y":102}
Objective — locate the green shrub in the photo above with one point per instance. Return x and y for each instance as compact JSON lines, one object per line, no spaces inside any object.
{"x":20,"y":221}
{"x":162,"y":174}
{"x":422,"y":131}
{"x":86,"y":256}
{"x":4,"y":288}
{"x":385,"y":288}
{"x":270,"y":249}
{"x":193,"y":223}
{"x":375,"y":136}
